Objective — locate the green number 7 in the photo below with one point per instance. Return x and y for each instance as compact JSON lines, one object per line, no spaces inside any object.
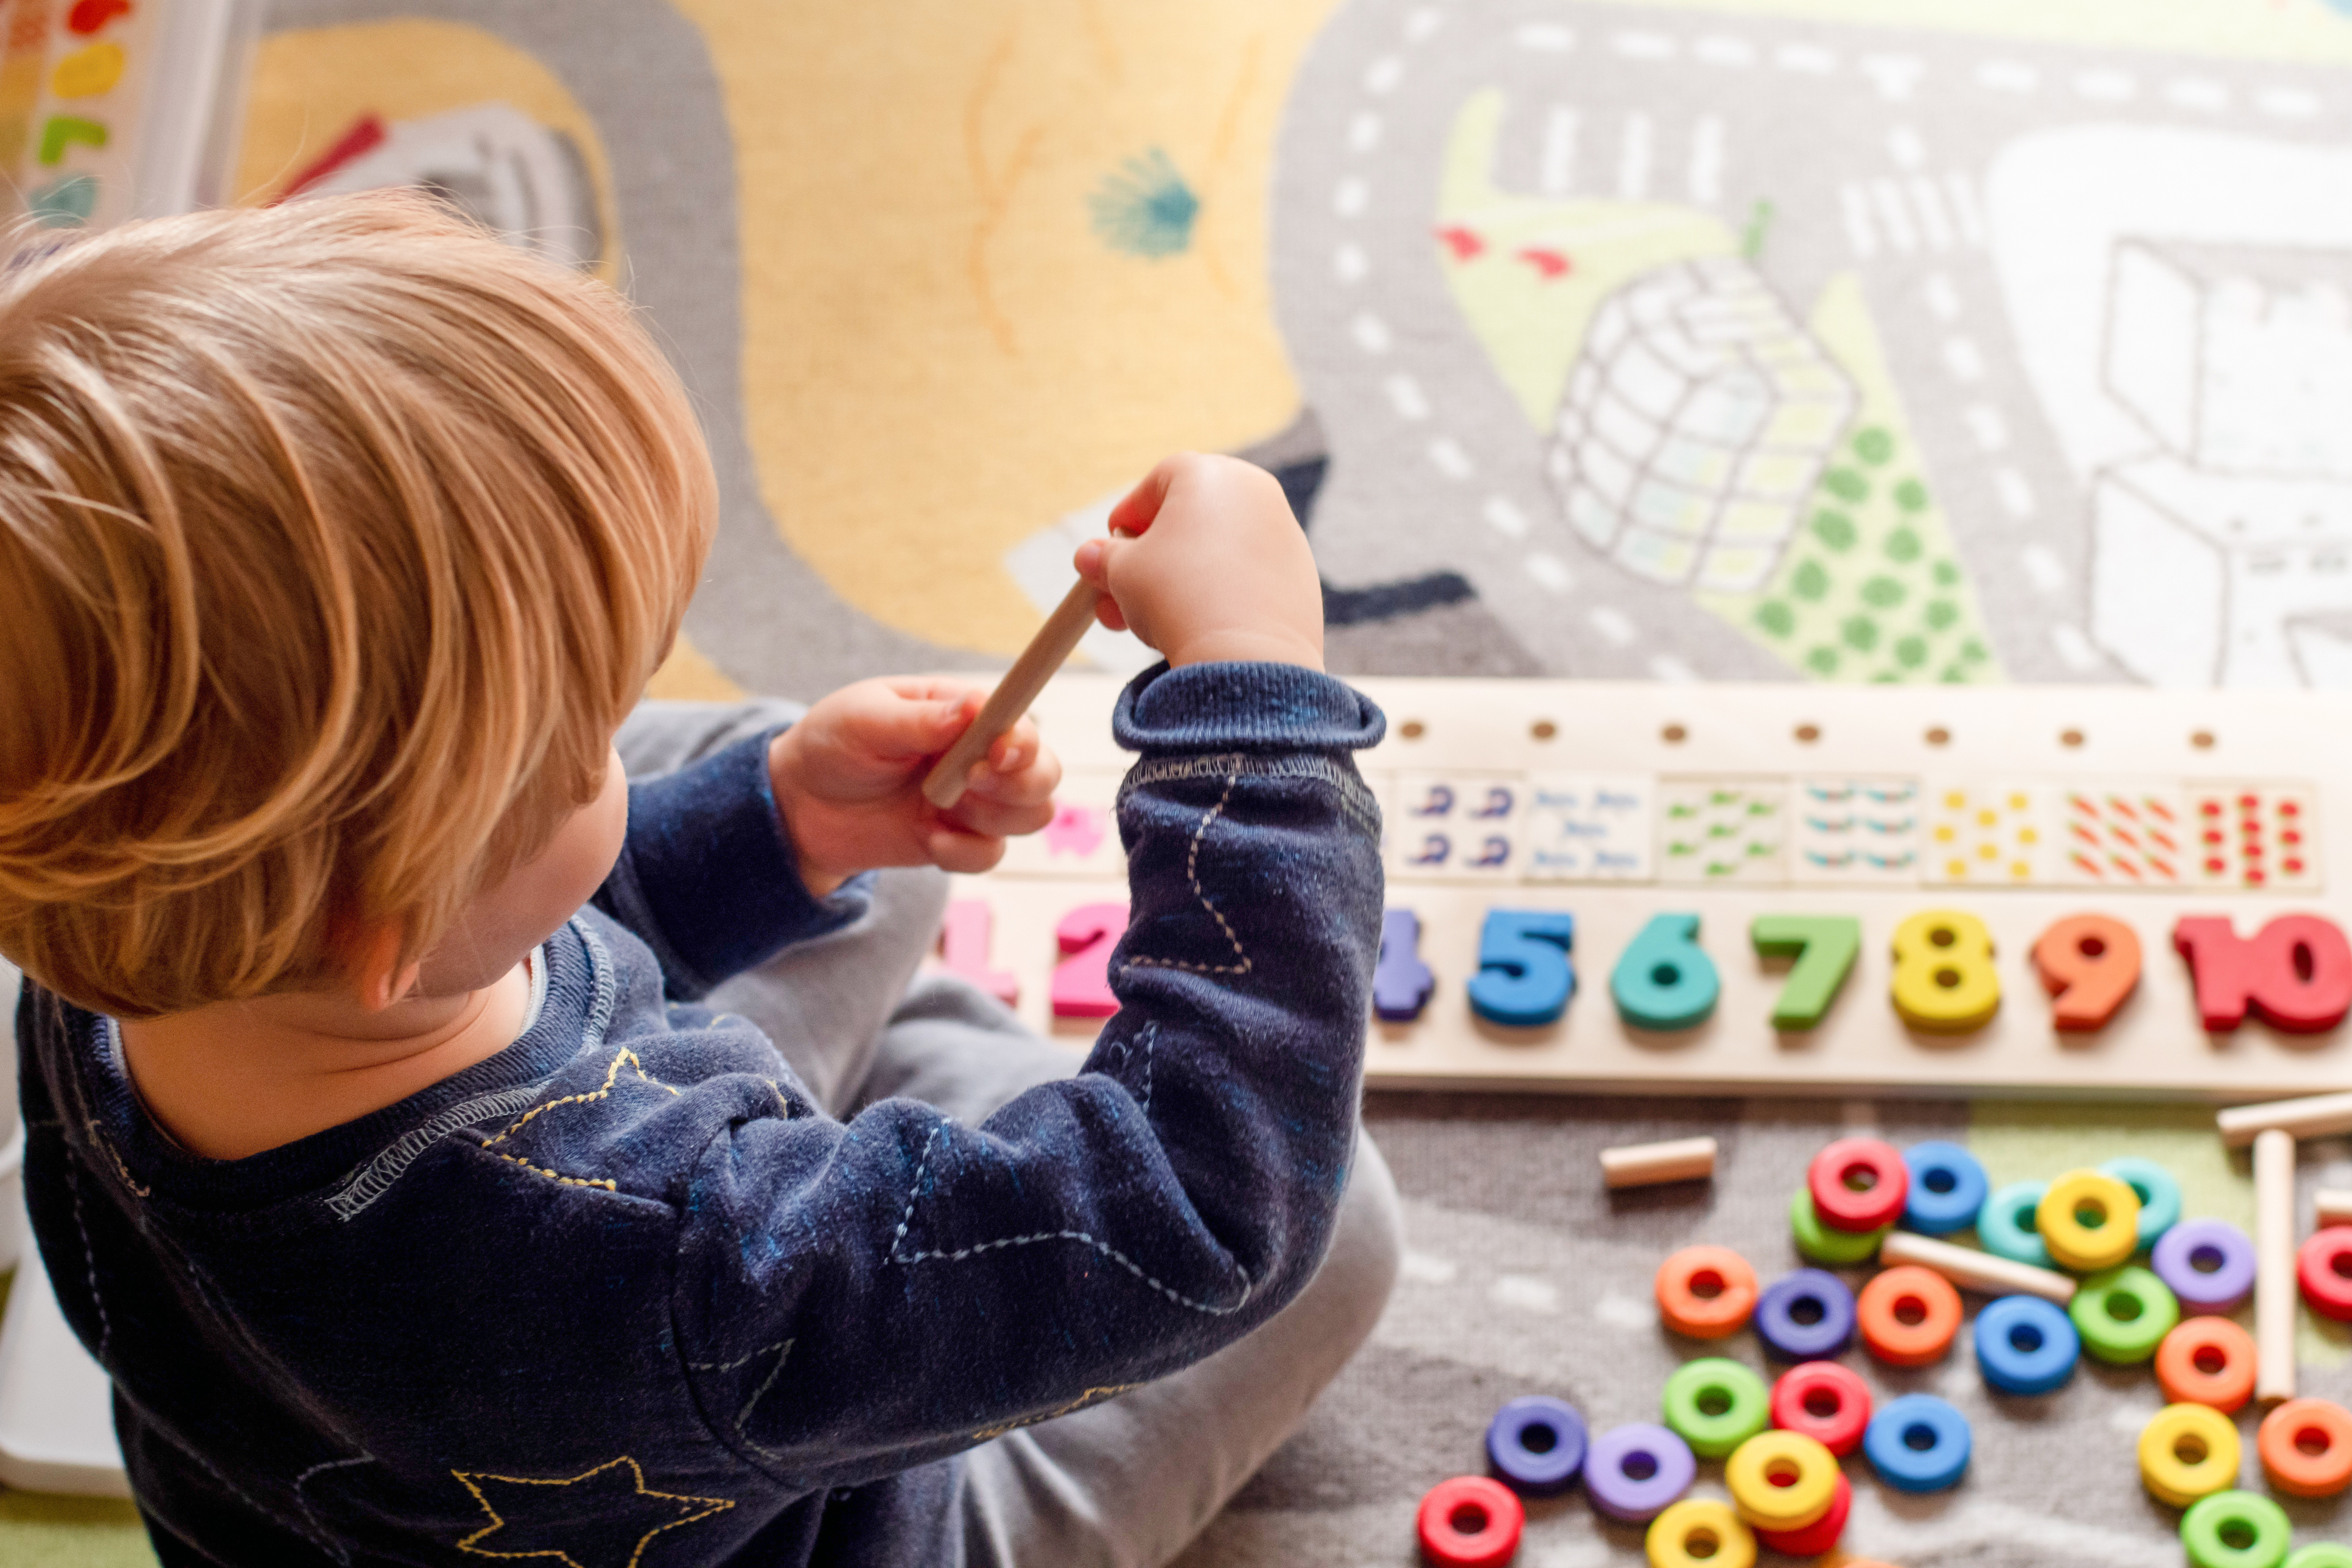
{"x":1823,"y":946}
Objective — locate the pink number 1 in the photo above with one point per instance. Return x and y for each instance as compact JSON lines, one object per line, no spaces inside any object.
{"x":963,"y":950}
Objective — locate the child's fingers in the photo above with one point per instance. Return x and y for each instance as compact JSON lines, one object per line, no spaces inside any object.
{"x":1137,"y":509}
{"x":900,"y":727}
{"x":967,"y":854}
{"x":976,"y":812}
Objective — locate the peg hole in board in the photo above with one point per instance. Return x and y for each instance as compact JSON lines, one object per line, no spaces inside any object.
{"x":1673,"y":734}
{"x":1808,"y":733}
{"x":2069,"y":737}
{"x":1412,"y":730}
{"x":1543,"y":729}
{"x":2201,"y":739}
{"x":1938,"y":736}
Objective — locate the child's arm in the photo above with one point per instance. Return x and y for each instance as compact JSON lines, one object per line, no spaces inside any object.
{"x":853,"y":1298}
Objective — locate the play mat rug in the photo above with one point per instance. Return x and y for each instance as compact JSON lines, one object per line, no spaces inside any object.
{"x":1924,"y":341}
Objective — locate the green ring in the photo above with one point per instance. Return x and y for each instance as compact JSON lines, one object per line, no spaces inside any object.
{"x":2117,"y":1339}
{"x":1712,"y":1436}
{"x":2322,"y":1554}
{"x":2201,"y":1532}
{"x":1824,"y":1244}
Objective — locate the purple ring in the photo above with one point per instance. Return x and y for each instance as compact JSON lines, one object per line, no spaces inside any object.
{"x":1619,"y":1495}
{"x":1776,"y":1321}
{"x":2225,"y":1290}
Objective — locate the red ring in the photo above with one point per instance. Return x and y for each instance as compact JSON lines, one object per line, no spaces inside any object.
{"x":1821,"y":1534}
{"x":1887,"y":1336}
{"x":1445,"y":1544}
{"x":1841,"y":1430}
{"x":1842,"y":1208}
{"x":2315,"y":1262}
{"x":1705,"y":1317}
{"x":2186,"y":1382}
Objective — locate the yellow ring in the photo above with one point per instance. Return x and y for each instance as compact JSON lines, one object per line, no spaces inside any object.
{"x":1668,"y":1542}
{"x":1768,"y":1505}
{"x":2082,"y":1247}
{"x":2175,"y":1480}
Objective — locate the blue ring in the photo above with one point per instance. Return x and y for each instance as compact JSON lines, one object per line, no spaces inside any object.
{"x":1527,"y":1469}
{"x":2004,"y":1233}
{"x":2159,"y":1191}
{"x":2045,"y":1367}
{"x":1908,"y":1470}
{"x":1783,"y":1336}
{"x":1933,"y":1213}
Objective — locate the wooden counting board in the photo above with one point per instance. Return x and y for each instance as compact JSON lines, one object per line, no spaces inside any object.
{"x":1761,"y":833}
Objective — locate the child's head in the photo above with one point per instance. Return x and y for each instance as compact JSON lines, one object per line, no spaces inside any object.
{"x":335,"y":541}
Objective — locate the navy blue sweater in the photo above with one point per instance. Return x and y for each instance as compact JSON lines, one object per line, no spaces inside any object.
{"x":622,"y":1294}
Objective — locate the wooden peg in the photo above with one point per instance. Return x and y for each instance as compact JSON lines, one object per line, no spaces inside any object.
{"x":2333,"y":1205}
{"x":1055,"y":642}
{"x":2315,"y":1116}
{"x":1648,"y":1164}
{"x":2275,"y":1282}
{"x":1965,"y":1266}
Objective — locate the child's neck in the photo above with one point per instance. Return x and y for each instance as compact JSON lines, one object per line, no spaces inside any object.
{"x":239,"y":1078}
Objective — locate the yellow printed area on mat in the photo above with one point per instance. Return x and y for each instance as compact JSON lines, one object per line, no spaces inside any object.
{"x":2032,"y":1143}
{"x":37,"y":1531}
{"x":942,"y":352}
{"x":311,"y":85}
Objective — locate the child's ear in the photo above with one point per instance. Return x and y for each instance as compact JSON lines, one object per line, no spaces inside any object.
{"x":380,"y":983}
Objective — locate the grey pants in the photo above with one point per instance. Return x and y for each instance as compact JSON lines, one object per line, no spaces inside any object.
{"x":1127,"y":1483}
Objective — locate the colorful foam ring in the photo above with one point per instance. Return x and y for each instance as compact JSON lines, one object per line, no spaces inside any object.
{"x":2295,"y":972}
{"x":2187,"y":1452}
{"x":1948,"y":1188}
{"x":1908,"y":1315}
{"x":2234,"y":1530}
{"x":2209,"y":1264}
{"x":1536,"y":1444}
{"x":1699,"y":1532}
{"x":1664,"y":980}
{"x":2088,"y":1221}
{"x":2306,"y":1447}
{"x":1858,"y":1184}
{"x":1470,"y":1521}
{"x":2323,"y":1266}
{"x":1524,"y":978}
{"x":1822,"y":948}
{"x":1402,"y":984}
{"x":1945,"y":982}
{"x":1633,"y":1472}
{"x":1823,"y":1245}
{"x":1705,"y":1292}
{"x":2321,"y":1554}
{"x":1806,"y":1314}
{"x":1827,"y":1402}
{"x":2157,"y":1190}
{"x":1819,"y":1536}
{"x":1715,"y":1405}
{"x":2123,"y":1315}
{"x":1917,"y":1444}
{"x":2026,"y":1345}
{"x":1781,"y":1480}
{"x":2207,"y":1360}
{"x":2089,"y":964}
{"x":2005,"y":1224}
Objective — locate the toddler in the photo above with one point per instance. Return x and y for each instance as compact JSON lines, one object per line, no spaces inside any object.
{"x":474,"y":1114}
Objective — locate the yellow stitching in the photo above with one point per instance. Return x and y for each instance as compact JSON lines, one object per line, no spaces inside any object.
{"x":466,"y":1479}
{"x":98,"y":1137}
{"x":561,"y":1180}
{"x":1090,"y":1396}
{"x":611,"y":1074}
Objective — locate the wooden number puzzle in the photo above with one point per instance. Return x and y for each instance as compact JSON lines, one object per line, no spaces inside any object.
{"x":1758,"y":889}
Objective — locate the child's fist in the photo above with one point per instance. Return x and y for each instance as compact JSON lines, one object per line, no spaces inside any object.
{"x":848,"y":782}
{"x":1218,"y":570}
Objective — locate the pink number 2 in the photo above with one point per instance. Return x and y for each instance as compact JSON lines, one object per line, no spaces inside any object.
{"x":1082,"y":981}
{"x":963,"y":950}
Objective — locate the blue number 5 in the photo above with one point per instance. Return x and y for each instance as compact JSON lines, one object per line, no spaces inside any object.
{"x":1524,"y":975}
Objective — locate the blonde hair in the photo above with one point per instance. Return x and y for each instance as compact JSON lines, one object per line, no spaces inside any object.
{"x":335,"y":541}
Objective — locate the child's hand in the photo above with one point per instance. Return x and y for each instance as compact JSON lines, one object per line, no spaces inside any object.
{"x":1221,"y":569}
{"x":848,"y":780}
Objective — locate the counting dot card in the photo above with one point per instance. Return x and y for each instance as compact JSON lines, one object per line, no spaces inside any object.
{"x":1780,"y":888}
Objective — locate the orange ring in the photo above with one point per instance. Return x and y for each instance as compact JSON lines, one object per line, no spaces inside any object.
{"x":1705,"y":1317}
{"x":2293,"y":1470}
{"x":1879,"y":1308}
{"x":2227,"y":1388}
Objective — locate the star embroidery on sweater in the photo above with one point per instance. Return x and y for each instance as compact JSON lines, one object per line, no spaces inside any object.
{"x":603,"y":1518}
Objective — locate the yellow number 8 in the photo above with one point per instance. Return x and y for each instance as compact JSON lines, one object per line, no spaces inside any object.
{"x":1944,"y":977}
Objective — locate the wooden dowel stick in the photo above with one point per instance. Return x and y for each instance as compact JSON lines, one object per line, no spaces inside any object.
{"x":1976,"y":1270}
{"x":2332,"y":1206}
{"x":2317,"y":1116}
{"x":1647,"y":1164}
{"x":2274,"y":1285}
{"x":1037,"y":665}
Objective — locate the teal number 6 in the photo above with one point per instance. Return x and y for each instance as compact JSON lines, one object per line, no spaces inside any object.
{"x":1823,"y":946}
{"x":1664,"y":980}
{"x":1523,"y":976}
